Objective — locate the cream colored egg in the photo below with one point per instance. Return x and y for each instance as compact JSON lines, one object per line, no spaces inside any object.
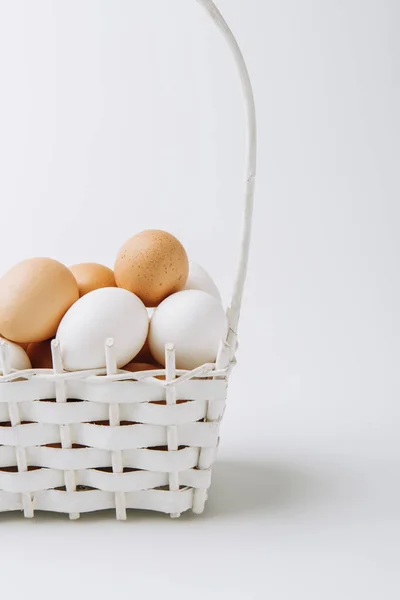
{"x":16,"y":356}
{"x":194,"y":322}
{"x":199,"y":279}
{"x":34,"y":296}
{"x":152,"y":264}
{"x":99,"y":315}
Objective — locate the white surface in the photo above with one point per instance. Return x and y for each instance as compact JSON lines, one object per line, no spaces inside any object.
{"x":95,"y":120}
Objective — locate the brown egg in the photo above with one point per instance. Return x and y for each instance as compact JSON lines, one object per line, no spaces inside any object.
{"x":152,"y":264}
{"x":34,"y":296}
{"x":144,"y":355}
{"x":91,"y":276}
{"x":133,"y":367}
{"x":24,"y":345}
{"x":40,"y":354}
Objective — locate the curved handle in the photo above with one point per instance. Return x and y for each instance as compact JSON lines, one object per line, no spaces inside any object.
{"x":233,"y":312}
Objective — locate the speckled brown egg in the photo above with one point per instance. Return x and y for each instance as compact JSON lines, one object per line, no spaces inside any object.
{"x":91,"y":276}
{"x":34,"y":296}
{"x":40,"y":354}
{"x":152,"y":264}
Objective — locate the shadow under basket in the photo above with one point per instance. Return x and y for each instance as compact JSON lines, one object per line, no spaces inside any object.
{"x":82,"y":441}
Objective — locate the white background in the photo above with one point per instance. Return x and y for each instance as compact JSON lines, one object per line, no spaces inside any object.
{"x":124,"y":115}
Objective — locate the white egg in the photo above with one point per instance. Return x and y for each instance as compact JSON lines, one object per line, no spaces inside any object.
{"x":17,"y":357}
{"x":199,"y":279}
{"x":194,"y":322}
{"x":104,"y":313}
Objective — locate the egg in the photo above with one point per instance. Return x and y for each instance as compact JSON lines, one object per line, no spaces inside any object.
{"x":134,"y":367}
{"x":18,"y":358}
{"x":194,"y":322}
{"x":99,"y":315}
{"x":23,"y":345}
{"x":34,"y":296}
{"x":199,"y":279}
{"x":152,"y":264}
{"x":40,"y":354}
{"x":91,"y":276}
{"x":144,"y":354}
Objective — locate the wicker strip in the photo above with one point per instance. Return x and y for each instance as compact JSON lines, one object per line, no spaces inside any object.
{"x":65,"y":429}
{"x":15,"y":420}
{"x":172,"y":430}
{"x":45,"y":479}
{"x":91,"y":458}
{"x":110,"y":438}
{"x":93,"y":500}
{"x":43,"y":411}
{"x":97,"y":389}
{"x":116,"y":455}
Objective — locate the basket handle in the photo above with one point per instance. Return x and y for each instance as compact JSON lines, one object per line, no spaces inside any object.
{"x":233,"y":312}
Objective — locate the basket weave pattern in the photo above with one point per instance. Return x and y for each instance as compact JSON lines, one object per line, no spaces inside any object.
{"x":107,"y":441}
{"x":75,"y":442}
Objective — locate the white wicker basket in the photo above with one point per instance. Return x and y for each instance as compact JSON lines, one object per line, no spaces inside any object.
{"x":75,"y":442}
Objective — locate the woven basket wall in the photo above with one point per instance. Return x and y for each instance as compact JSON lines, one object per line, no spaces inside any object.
{"x":75,"y":442}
